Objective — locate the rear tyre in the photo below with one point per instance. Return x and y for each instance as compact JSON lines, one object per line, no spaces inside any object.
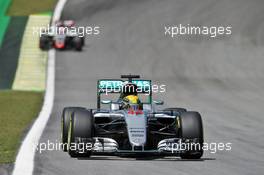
{"x":191,"y":127}
{"x":65,"y":121}
{"x":81,"y":126}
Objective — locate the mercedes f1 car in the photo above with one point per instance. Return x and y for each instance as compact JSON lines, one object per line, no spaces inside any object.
{"x":133,"y":130}
{"x":61,"y":36}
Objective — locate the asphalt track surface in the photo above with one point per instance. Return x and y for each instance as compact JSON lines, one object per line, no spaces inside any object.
{"x":223,"y":78}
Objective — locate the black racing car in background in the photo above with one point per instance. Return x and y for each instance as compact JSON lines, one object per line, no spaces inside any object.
{"x":134,"y":130}
{"x":61,"y":37}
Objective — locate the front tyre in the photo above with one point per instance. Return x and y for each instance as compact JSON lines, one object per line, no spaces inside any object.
{"x":78,"y":43}
{"x":44,"y":42}
{"x":65,"y":122}
{"x":191,"y":128}
{"x":81,"y":126}
{"x":174,"y":111}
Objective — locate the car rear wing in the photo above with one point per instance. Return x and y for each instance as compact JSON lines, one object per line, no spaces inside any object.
{"x":107,"y":86}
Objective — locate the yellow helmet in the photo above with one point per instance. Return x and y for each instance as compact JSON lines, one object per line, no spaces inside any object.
{"x":133,"y":99}
{"x":129,"y":89}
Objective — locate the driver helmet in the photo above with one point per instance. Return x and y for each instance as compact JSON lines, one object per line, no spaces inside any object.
{"x":129,"y":93}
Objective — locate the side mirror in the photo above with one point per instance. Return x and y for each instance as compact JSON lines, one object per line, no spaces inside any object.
{"x":106,"y":101}
{"x":157,"y":102}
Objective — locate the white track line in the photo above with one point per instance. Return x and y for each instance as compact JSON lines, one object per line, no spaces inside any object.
{"x":24,"y":164}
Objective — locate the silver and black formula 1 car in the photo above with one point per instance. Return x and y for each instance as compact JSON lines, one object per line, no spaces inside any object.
{"x":61,"y":36}
{"x":136,"y":129}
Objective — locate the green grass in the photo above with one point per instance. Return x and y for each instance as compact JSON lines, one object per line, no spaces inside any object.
{"x":17,"y":111}
{"x":28,"y":7}
{"x":4,"y":20}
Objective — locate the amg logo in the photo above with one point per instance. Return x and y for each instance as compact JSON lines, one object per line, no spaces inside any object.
{"x":137,"y":135}
{"x":133,"y":131}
